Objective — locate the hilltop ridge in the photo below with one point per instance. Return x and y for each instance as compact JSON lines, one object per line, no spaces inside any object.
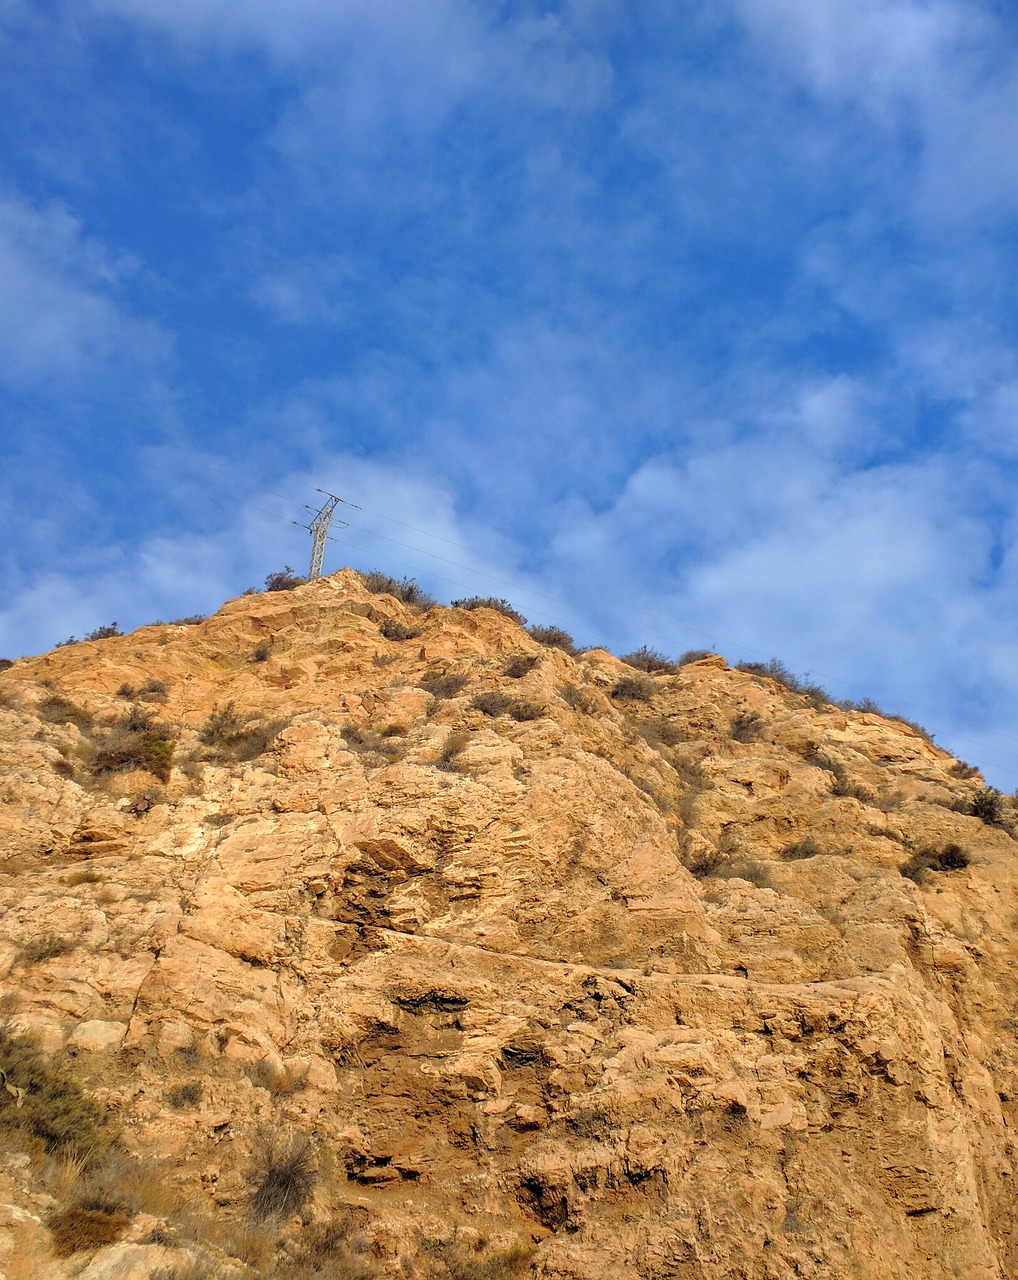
{"x":562,"y":969}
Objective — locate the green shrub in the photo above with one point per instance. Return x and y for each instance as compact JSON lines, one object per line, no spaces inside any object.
{"x":284,"y":1170}
{"x":649,"y":660}
{"x":284,"y":579}
{"x":260,"y":653}
{"x":153,"y":691}
{"x":135,"y":741}
{"x":405,"y":589}
{"x":927,"y":858}
{"x":634,"y":688}
{"x":194,"y":619}
{"x":53,"y":1113}
{"x":554,"y":638}
{"x":56,"y":709}
{"x":490,"y":602}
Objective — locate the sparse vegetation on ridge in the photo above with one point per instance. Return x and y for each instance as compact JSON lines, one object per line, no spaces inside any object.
{"x":650,"y":661}
{"x":405,"y":589}
{"x":284,"y":579}
{"x":497,"y":603}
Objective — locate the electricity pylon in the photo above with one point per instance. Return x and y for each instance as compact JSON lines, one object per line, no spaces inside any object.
{"x":319,"y":530}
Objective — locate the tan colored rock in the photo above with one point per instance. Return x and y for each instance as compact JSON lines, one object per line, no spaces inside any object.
{"x":612,"y":982}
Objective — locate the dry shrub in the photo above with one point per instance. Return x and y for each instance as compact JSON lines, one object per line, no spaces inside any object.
{"x":692,"y":775}
{"x":233,"y":738}
{"x":74,"y":1229}
{"x":634,"y":688}
{"x":196,"y":1269}
{"x":393,"y":629}
{"x":752,"y":869}
{"x":801,"y":849}
{"x":694,"y":655}
{"x":405,"y":589}
{"x":747,"y":726}
{"x":660,"y":732}
{"x":520,"y":665}
{"x":815,"y":694}
{"x":490,"y":602}
{"x":334,"y":1250}
{"x":497,"y":703}
{"x":989,"y":806}
{"x":927,"y":858}
{"x":45,"y":947}
{"x":501,"y":1264}
{"x":284,"y":579}
{"x":280,"y":1082}
{"x":579,"y":699}
{"x":284,"y":1170}
{"x":554,"y":638}
{"x":84,"y":875}
{"x":384,"y":744}
{"x":843,"y":784}
{"x":649,"y":660}
{"x":455,"y":742}
{"x":442,"y":686}
{"x":57,"y":709}
{"x":185,"y":1096}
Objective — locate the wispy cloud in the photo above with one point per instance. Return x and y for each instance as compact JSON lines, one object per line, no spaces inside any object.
{"x":705,"y":313}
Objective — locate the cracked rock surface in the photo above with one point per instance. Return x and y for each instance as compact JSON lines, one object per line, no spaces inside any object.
{"x":635,"y":980}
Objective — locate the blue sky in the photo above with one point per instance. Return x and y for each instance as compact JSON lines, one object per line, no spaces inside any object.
{"x":679,"y":324}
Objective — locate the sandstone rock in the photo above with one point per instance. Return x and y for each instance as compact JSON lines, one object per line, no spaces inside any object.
{"x":610,"y":982}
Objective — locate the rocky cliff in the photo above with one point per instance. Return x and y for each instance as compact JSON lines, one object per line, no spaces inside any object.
{"x":359,"y":940}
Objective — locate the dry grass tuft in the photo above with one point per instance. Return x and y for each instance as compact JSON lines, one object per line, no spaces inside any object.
{"x":284,"y":1171}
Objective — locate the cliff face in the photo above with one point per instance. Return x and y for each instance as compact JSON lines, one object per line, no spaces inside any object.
{"x":581,"y":981}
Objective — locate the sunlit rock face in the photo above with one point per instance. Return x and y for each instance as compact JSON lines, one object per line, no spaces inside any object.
{"x":611,"y":975}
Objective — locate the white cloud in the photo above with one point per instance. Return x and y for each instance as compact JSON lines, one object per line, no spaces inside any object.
{"x":62,"y":314}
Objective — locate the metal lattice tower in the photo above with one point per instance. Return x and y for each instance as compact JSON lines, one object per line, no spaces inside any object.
{"x":319,"y":530}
